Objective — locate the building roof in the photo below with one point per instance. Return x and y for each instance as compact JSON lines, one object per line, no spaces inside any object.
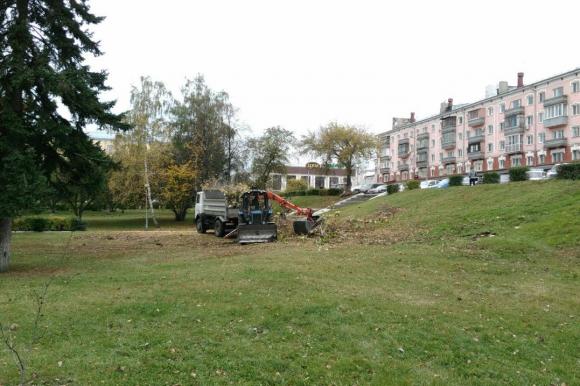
{"x":316,"y":172}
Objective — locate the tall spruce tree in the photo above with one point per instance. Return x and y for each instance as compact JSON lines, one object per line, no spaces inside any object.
{"x":47,"y":96}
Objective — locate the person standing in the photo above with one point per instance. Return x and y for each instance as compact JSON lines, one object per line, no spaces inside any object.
{"x":472,"y":177}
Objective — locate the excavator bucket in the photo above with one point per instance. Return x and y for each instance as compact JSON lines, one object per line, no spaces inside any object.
{"x":257,"y":233}
{"x":305,"y":227}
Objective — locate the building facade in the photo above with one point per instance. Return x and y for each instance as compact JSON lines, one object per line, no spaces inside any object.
{"x":534,"y":125}
{"x":321,"y":178}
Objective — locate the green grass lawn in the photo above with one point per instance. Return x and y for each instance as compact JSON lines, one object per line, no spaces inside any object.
{"x":465,"y":286}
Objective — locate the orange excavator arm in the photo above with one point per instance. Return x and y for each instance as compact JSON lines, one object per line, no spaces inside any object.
{"x":288,"y":205}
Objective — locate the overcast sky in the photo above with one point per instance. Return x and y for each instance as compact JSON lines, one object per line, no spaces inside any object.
{"x":301,"y":64}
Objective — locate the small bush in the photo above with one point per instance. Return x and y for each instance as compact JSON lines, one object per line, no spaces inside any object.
{"x":313,"y":192}
{"x":518,"y":173}
{"x":296,"y":185}
{"x":393,"y":188}
{"x":491,"y":178}
{"x":569,"y":171}
{"x":334,"y":192}
{"x":37,"y":224}
{"x":412,"y":184}
{"x":323,"y":192}
{"x":456,"y":180}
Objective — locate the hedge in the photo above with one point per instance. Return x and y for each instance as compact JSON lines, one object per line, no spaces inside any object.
{"x":518,"y":173}
{"x":41,"y":224}
{"x":412,"y":184}
{"x":491,"y":178}
{"x":569,"y":171}
{"x":393,"y":188}
{"x":456,"y":180}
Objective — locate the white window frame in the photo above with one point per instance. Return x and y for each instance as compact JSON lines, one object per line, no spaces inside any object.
{"x":489,"y":129}
{"x":541,"y":137}
{"x":490,"y":111}
{"x":576,"y":131}
{"x":575,"y":82}
{"x":528,"y":99}
{"x":576,"y":109}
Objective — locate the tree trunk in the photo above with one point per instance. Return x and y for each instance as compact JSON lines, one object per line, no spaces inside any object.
{"x":348,"y":179}
{"x":5,"y":239}
{"x":180,"y":214}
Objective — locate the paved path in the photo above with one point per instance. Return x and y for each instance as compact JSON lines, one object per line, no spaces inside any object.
{"x":355,"y":199}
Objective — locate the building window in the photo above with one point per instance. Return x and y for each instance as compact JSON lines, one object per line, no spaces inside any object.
{"x":502,"y":164}
{"x":489,"y":165}
{"x":557,"y":157}
{"x":530,"y":139}
{"x":516,"y":104}
{"x":450,"y":154}
{"x":555,"y":111}
{"x":576,"y":109}
{"x":502,"y":107}
{"x":542,"y":159}
{"x":576,"y":131}
{"x":460,"y":120}
{"x":541,"y":137}
{"x":432,"y":143}
{"x":432,"y":157}
{"x":530,"y":120}
{"x":540,"y":117}
{"x":460,"y":136}
{"x":576,"y":86}
{"x":576,"y":155}
{"x":558,"y":134}
{"x":490,"y":129}
{"x":501,"y":125}
{"x":306,"y":179}
{"x":490,"y":147}
{"x":478,"y":166}
{"x":542,"y":96}
{"x":501,"y":145}
{"x":489,"y":111}
{"x":516,"y":161}
{"x":530,"y":100}
{"x":319,"y":182}
{"x":530,"y":161}
{"x":460,"y":152}
{"x":559,"y":91}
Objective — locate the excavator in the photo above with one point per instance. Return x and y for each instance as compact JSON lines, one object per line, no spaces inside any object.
{"x":255,"y":217}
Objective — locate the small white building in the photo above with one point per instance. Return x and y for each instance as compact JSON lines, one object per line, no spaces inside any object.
{"x":315,"y":177}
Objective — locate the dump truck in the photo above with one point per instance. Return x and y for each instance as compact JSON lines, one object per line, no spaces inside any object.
{"x":213,"y":212}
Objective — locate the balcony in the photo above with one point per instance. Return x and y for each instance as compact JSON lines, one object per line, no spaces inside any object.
{"x":514,"y":111}
{"x":477,"y":138}
{"x":476,"y":118}
{"x":448,"y":160}
{"x":556,"y":121}
{"x":422,"y":136}
{"x":404,"y":153}
{"x":450,"y":144}
{"x":422,"y":145}
{"x":404,"y":167}
{"x":556,"y":142}
{"x":422,"y":164}
{"x":404,"y":141}
{"x":513,"y":148}
{"x":517,"y":129}
{"x":556,"y":100}
{"x":476,"y":155}
{"x":384,"y":170}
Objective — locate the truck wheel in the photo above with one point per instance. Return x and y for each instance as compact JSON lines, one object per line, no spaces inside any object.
{"x":199,"y":225}
{"x":220,"y":229}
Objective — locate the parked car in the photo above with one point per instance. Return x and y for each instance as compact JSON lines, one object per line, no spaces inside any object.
{"x":357,"y":189}
{"x":553,"y":172}
{"x":536,"y":174}
{"x":401,"y":187}
{"x":365,"y":189}
{"x":378,"y":189}
{"x":443,"y":184}
{"x":428,"y":184}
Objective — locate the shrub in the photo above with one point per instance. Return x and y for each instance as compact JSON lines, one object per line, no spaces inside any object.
{"x":296,"y":185}
{"x":518,"y":173}
{"x":456,"y":180}
{"x":323,"y":192}
{"x":393,"y":188}
{"x":313,"y":192}
{"x":41,"y":224}
{"x":569,"y":171}
{"x":491,"y":178}
{"x":412,"y":184}
{"x":334,"y":192}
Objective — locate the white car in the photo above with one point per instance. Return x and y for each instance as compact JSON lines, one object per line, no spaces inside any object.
{"x":378,"y":189}
{"x":553,"y":172}
{"x":428,"y":184}
{"x":536,"y":174}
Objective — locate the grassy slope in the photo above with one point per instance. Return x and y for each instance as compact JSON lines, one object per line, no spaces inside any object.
{"x":436,"y":307}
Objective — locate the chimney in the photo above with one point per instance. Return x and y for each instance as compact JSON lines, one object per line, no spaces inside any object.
{"x":520,"y":79}
{"x":412,"y":119}
{"x":449,"y":104}
{"x":503,"y":87}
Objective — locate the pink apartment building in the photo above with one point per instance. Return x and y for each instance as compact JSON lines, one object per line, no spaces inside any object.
{"x":533,"y":125}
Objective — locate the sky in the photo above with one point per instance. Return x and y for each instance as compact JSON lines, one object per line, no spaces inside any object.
{"x":301,"y":64}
